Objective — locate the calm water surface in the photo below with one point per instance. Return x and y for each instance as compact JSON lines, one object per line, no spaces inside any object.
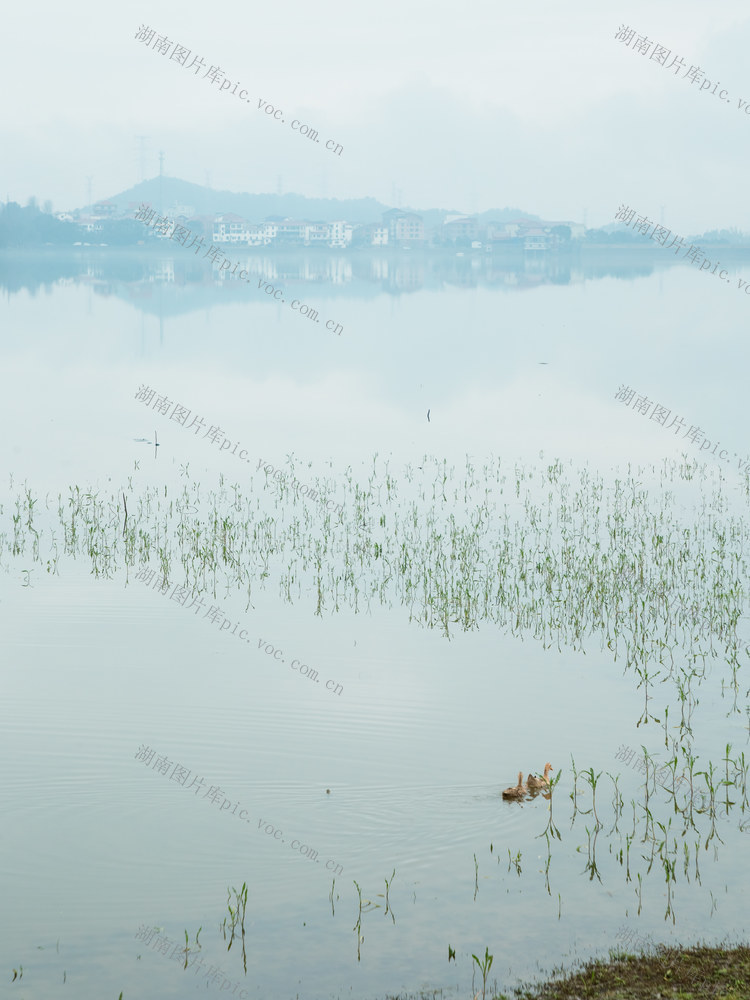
{"x":518,"y":362}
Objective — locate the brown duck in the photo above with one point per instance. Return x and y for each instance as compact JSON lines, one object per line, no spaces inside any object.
{"x":518,"y":791}
{"x":543,"y":782}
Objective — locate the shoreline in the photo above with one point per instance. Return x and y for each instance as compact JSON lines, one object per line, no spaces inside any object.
{"x":700,"y":971}
{"x":278,"y":250}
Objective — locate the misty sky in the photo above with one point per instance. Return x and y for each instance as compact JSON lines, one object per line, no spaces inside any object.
{"x":457,"y":106}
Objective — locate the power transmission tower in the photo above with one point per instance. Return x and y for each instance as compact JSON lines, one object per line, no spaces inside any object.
{"x":161,"y":175}
{"x":141,"y":153}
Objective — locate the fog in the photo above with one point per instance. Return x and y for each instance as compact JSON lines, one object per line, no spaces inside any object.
{"x":461,"y":107}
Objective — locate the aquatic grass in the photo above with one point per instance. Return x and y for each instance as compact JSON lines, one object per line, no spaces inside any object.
{"x":514,"y":861}
{"x":451,"y":592}
{"x":388,"y":884}
{"x":237,"y":917}
{"x":550,"y":832}
{"x":591,"y":865}
{"x":551,"y":552}
{"x":358,"y":925}
{"x":484,"y":965}
{"x":196,"y":946}
{"x":617,"y":799}
{"x":574,"y":793}
{"x":367,"y":906}
{"x":187,"y":955}
{"x":593,"y":781}
{"x":667,"y":850}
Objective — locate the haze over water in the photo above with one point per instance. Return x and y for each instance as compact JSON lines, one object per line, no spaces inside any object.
{"x":516,"y":565}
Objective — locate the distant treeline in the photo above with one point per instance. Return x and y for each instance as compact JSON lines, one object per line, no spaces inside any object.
{"x":30,"y":226}
{"x":732,"y":237}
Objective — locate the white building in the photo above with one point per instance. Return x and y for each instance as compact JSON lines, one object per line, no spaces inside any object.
{"x":371,"y":234}
{"x":90,"y":223}
{"x":317,"y":233}
{"x":230,"y":229}
{"x":236,"y":230}
{"x":340,"y":234}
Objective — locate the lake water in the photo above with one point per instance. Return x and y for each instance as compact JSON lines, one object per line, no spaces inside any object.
{"x":443,"y":582}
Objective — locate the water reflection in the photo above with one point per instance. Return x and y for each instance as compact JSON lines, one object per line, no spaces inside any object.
{"x":544,"y":568}
{"x":113,"y":272}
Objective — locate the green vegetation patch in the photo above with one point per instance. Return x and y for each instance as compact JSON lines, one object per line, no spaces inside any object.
{"x":685,"y":973}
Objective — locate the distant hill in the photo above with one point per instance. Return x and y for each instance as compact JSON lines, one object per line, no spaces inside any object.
{"x":256,"y":207}
{"x":205,"y":201}
{"x":435,"y":216}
